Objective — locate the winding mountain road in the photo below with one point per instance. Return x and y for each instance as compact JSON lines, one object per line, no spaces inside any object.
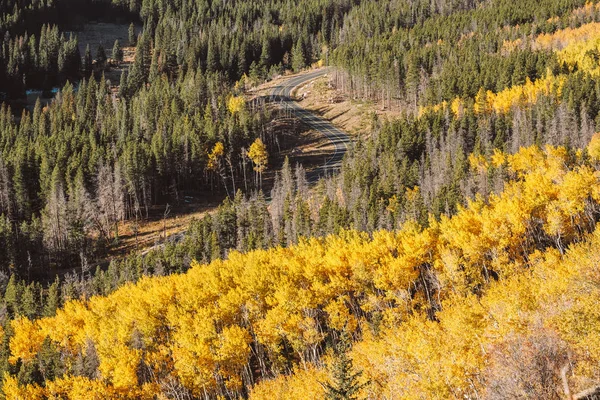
{"x":282,"y":94}
{"x":340,"y":140}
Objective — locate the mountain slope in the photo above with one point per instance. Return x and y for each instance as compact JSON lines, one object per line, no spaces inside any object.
{"x":439,"y":305}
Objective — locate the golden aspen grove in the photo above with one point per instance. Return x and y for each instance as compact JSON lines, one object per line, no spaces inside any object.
{"x":503,"y":272}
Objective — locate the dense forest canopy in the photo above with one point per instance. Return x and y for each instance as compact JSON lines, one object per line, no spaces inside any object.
{"x":454,"y":254}
{"x":449,"y":293}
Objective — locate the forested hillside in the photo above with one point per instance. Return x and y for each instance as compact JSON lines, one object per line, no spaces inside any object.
{"x":453,"y":255}
{"x":175,"y":125}
{"x":434,"y":310}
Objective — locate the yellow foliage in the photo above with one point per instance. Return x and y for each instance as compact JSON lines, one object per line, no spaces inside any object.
{"x":564,"y":37}
{"x":575,"y":46}
{"x":339,"y":316}
{"x":12,"y":390}
{"x":258,"y":154}
{"x":505,"y":100}
{"x":393,"y":204}
{"x":215,"y":155}
{"x":524,"y":95}
{"x":423,"y":110}
{"x":457,"y":107}
{"x":484,"y":271}
{"x":79,"y":388}
{"x":588,"y":10}
{"x":584,"y":55}
{"x":509,"y":46}
{"x":594,"y":147}
{"x":119,"y":365}
{"x":27,"y":340}
{"x":498,"y":158}
{"x":236,"y":104}
{"x":301,"y":385}
{"x":478,"y":163}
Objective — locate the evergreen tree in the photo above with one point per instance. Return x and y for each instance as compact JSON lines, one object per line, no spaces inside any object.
{"x":265,"y":55}
{"x":29,"y":302}
{"x":132,"y":35}
{"x":101,"y":57}
{"x":135,"y":77}
{"x":123,"y":89}
{"x":212,"y":57}
{"x":117,"y":52}
{"x":298,"y":57}
{"x":52,"y":299}
{"x":345,"y":384}
{"x":87,"y":62}
{"x":12,"y":296}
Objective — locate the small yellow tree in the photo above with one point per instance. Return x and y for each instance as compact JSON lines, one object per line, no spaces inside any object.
{"x":215,"y":156}
{"x":594,"y":148}
{"x":236,"y":104}
{"x":215,"y":164}
{"x":259,"y":156}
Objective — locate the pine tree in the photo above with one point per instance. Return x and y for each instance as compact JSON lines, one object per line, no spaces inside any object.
{"x":12,"y":296}
{"x":29,"y":303}
{"x":6,"y":206}
{"x":298,"y":58}
{"x":87,"y":62}
{"x":215,"y":248}
{"x":345,"y":384}
{"x":265,"y":55}
{"x":117,"y":52}
{"x":132,"y":36}
{"x":135,"y":77}
{"x":212,"y":57}
{"x":52,"y":299}
{"x":123,"y":84}
{"x":7,"y":242}
{"x":101,"y":56}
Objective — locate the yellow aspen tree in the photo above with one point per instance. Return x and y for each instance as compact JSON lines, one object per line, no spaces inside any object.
{"x":260,"y":158}
{"x":214,"y":156}
{"x":593,"y":147}
{"x":235,"y":104}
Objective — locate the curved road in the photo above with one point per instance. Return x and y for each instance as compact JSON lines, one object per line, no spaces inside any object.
{"x":340,"y":140}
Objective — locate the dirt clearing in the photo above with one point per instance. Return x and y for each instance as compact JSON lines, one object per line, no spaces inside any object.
{"x":105,"y":34}
{"x":352,"y":116}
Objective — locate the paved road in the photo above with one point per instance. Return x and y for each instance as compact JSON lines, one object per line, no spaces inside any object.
{"x":281,"y":93}
{"x":340,"y":140}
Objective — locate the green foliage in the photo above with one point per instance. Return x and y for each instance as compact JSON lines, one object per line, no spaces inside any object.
{"x":345,"y":384}
{"x":117,"y":52}
{"x":298,"y":57}
{"x":132,"y":35}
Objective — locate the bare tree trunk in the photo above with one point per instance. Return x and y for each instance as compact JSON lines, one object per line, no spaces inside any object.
{"x":231,"y":170}
{"x":165,"y":215}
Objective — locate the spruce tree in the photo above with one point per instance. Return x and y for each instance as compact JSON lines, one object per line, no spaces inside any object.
{"x":12,"y":296}
{"x":101,"y":56}
{"x":212,"y":57}
{"x":117,"y":52}
{"x":265,"y":55}
{"x":123,"y":84}
{"x":298,"y":59}
{"x":87,"y":62}
{"x":52,"y":299}
{"x":345,"y":384}
{"x":132,"y":36}
{"x":29,"y":303}
{"x":135,"y":78}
